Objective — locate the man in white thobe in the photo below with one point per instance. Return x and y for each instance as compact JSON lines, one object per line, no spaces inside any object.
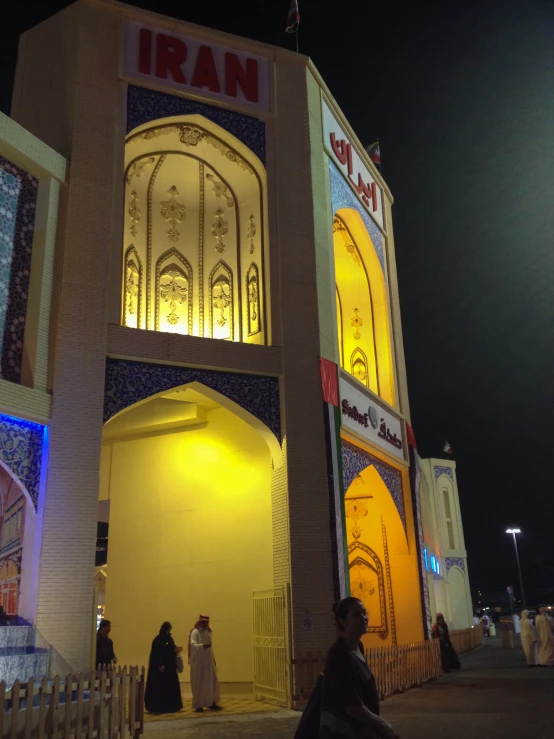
{"x":203,"y":677}
{"x":546,"y":640}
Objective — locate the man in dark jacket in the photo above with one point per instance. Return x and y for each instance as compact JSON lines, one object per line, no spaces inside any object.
{"x":104,"y":645}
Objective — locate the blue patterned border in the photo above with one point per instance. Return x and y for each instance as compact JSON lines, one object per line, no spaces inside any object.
{"x":18,"y":196}
{"x":451,"y":562}
{"x":129,"y":382}
{"x":444,"y":471}
{"x":144,"y":106}
{"x":21,"y":444}
{"x":355,"y":460}
{"x":343,"y":197}
{"x":417,"y":480}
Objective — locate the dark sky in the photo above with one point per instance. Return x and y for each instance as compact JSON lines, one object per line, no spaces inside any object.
{"x":462,"y":98}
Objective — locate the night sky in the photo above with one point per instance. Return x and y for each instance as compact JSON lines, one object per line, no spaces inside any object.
{"x":462,"y":99}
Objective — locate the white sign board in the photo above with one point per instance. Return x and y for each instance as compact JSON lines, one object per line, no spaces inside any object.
{"x":367,"y":418}
{"x":351,"y":165}
{"x":190,"y":65}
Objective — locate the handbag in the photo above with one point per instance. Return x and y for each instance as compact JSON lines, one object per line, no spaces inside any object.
{"x":179,"y":662}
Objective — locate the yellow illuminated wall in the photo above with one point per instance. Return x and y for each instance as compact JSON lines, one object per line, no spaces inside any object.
{"x":190,"y":531}
{"x":383,"y":566}
{"x":362,"y":306}
{"x":195,"y":236}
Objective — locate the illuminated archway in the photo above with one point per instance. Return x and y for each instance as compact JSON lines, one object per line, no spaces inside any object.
{"x":195,"y":251}
{"x":364,"y":332}
{"x":187,"y":473}
{"x":383,"y":570}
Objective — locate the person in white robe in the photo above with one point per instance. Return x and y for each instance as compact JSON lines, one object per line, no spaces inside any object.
{"x":203,"y":677}
{"x":546,"y":640}
{"x":529,"y":639}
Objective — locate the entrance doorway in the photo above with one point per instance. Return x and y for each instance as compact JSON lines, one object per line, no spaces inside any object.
{"x":186,"y":479}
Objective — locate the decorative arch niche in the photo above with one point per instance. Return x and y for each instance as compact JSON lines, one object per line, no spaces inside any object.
{"x":363,"y":323}
{"x":195,"y":239}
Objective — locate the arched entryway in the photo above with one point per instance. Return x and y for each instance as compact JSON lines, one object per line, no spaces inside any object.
{"x":17,"y":534}
{"x":187,"y":477}
{"x":383,"y":570}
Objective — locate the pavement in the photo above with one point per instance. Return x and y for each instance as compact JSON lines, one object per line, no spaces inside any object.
{"x":495,"y":695}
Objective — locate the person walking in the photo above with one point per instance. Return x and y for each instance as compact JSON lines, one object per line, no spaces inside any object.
{"x":163,"y":691}
{"x":203,"y":677}
{"x":350,"y":702}
{"x":546,"y":640}
{"x":529,"y":639}
{"x":105,"y":656}
{"x":486,"y":623}
{"x":449,"y":658}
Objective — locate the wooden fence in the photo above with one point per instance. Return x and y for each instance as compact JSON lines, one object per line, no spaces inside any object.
{"x":93,"y":706}
{"x":396,"y":668}
{"x":466,"y":640}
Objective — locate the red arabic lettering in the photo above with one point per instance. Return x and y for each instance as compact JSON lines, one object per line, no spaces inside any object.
{"x":366,"y":190}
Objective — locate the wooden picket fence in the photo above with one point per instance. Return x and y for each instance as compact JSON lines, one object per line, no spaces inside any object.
{"x":396,"y":668}
{"x":466,"y":640}
{"x":102,"y":705}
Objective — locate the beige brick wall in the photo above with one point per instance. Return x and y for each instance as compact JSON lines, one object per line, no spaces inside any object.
{"x":308,"y":492}
{"x":84,"y":126}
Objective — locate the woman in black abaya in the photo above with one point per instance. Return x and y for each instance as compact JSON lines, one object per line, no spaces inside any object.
{"x":163,"y":692}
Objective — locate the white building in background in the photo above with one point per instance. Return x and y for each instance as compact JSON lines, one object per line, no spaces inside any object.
{"x":444,"y":546}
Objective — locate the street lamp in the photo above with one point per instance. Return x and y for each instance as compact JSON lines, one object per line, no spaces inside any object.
{"x":514,"y":532}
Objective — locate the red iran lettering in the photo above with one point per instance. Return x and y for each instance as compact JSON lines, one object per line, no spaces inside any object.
{"x":339,"y":147}
{"x":236,"y":75}
{"x":145,"y":51}
{"x":171,"y":53}
{"x":205,"y":72}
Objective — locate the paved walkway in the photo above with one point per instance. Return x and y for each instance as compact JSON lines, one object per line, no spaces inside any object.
{"x":495,"y":696}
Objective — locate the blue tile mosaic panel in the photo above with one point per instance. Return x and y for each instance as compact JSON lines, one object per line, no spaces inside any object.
{"x":18,"y":196}
{"x":343,"y":197}
{"x":21,"y":445}
{"x":129,"y":382}
{"x":444,"y":471}
{"x":451,"y":562}
{"x":144,"y":106}
{"x":355,"y":460}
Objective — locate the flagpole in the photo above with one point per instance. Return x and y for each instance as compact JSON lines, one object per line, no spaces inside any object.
{"x":296,"y":35}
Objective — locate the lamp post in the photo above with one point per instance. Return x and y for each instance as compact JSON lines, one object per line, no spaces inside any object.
{"x":514,"y":532}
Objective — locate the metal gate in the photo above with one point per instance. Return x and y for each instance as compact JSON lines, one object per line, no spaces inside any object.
{"x":271,"y":646}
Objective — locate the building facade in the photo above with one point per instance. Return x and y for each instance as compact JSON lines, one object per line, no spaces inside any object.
{"x":444,"y":549}
{"x":207,"y":352}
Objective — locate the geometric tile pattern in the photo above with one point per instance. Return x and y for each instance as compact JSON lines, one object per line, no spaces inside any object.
{"x":18,"y":196}
{"x":343,"y":197}
{"x":450,"y":562}
{"x":355,"y":460}
{"x":444,"y":471}
{"x":144,"y":106}
{"x":129,"y":382}
{"x":21,"y":444}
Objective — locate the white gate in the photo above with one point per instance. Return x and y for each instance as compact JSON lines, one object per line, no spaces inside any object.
{"x":272,"y":679}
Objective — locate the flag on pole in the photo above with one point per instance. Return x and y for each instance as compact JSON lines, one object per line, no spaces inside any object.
{"x":447,"y":448}
{"x":293,"y":19}
{"x":374,"y":152}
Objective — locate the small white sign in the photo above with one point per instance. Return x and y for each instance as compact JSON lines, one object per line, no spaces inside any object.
{"x":351,"y":165}
{"x":367,"y":418}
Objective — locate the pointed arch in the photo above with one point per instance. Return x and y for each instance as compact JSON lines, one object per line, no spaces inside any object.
{"x":174,"y":286}
{"x":221,"y":294}
{"x":133,"y":278}
{"x":365,"y":320}
{"x":222,"y":400}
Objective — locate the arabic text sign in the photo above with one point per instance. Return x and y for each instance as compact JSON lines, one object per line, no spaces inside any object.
{"x":368,"y":419}
{"x":186,"y":63}
{"x":351,"y":165}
